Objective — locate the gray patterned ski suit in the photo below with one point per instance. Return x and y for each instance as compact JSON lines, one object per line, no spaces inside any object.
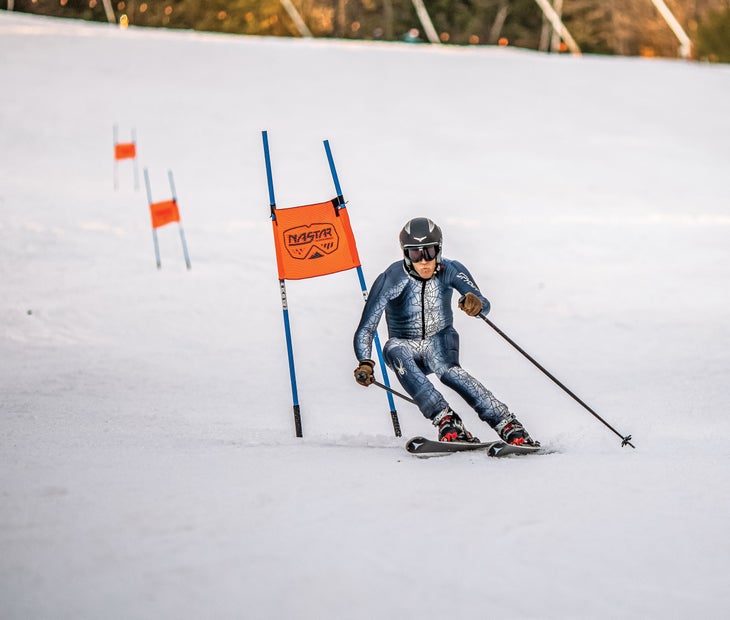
{"x":422,"y":339}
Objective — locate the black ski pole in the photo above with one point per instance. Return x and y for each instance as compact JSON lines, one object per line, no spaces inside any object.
{"x":362,"y":375}
{"x":625,"y":441}
{"x":395,"y":393}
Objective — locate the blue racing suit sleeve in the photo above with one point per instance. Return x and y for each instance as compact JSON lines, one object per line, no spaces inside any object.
{"x":462,"y":281}
{"x":371,"y":315}
{"x":386,"y":287}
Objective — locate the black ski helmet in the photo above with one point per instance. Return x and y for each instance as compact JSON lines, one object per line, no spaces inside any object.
{"x":418,"y":233}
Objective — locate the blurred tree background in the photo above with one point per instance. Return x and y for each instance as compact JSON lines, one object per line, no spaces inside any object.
{"x":624,"y":27}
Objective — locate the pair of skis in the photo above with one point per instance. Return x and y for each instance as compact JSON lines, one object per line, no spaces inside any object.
{"x":420,"y":446}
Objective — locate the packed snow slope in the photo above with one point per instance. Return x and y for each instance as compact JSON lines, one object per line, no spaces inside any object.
{"x":149,"y":467}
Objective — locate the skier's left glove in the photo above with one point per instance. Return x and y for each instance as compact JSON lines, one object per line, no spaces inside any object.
{"x":470,"y":304}
{"x":364,"y":372}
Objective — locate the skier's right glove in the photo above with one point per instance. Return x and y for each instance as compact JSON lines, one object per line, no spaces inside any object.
{"x":364,"y":372}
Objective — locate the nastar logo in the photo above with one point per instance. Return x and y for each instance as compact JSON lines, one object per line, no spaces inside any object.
{"x":462,"y":276}
{"x":313,"y":241}
{"x":415,"y":444}
{"x":400,"y":369}
{"x":496,"y":450}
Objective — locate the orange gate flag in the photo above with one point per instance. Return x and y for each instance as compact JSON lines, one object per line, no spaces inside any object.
{"x":125,"y":150}
{"x":164,"y":212}
{"x":314,"y":240}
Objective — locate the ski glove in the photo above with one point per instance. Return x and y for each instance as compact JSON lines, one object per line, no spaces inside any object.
{"x":470,"y":304}
{"x":364,"y":372}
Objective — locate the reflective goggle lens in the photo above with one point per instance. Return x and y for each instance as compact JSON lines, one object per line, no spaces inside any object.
{"x":416,"y":255}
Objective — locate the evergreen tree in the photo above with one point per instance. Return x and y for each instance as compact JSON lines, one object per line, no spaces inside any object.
{"x":713,"y":37}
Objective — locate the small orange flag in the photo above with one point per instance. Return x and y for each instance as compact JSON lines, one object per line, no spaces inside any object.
{"x":125,"y":150}
{"x":313,"y":240}
{"x":164,"y":212}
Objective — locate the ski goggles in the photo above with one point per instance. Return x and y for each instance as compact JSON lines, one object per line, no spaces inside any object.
{"x":416,"y":255}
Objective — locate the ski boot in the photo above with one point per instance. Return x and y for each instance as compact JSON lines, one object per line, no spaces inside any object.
{"x":451,"y":428}
{"x":512,"y":432}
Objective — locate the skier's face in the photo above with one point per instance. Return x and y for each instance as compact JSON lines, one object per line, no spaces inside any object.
{"x":425,"y":268}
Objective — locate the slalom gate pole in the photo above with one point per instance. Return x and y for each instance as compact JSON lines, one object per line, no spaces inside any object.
{"x":363,"y":287}
{"x":116,"y":162}
{"x":154,"y":230}
{"x":625,"y":441}
{"x":136,"y":171}
{"x":182,"y":232}
{"x":284,"y":304}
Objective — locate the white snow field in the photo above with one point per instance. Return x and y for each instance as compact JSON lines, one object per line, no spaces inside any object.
{"x":148,"y":462}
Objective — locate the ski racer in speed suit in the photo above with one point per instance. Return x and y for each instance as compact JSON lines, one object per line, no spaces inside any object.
{"x":416,"y":295}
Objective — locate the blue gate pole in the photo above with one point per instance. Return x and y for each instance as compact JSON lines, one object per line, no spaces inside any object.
{"x":284,"y":304}
{"x":179,"y":224}
{"x":154,"y":230}
{"x":364,"y":288}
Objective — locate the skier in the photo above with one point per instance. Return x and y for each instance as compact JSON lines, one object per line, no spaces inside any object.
{"x":416,"y":296}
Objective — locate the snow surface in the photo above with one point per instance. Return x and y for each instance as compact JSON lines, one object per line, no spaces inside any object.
{"x":148,"y":464}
